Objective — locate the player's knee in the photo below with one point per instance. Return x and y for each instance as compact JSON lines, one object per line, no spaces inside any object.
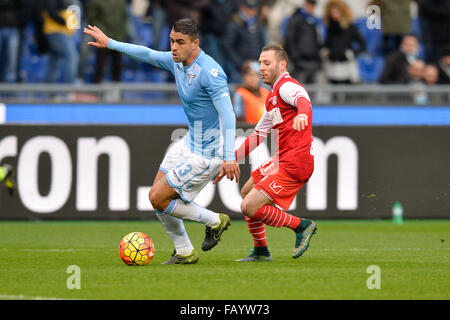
{"x":155,"y":200}
{"x":247,"y":208}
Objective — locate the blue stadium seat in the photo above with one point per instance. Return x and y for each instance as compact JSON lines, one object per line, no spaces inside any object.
{"x":34,"y":65}
{"x":415,"y":26}
{"x":370,"y":67}
{"x":373,"y":37}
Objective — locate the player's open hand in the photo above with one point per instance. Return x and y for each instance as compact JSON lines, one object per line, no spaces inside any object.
{"x":300,"y":122}
{"x":229,"y":169}
{"x":101,"y":39}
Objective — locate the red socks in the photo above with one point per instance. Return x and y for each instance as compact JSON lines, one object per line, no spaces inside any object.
{"x":275,"y":217}
{"x":258,"y":231}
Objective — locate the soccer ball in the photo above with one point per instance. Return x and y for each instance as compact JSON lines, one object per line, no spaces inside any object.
{"x":136,"y":249}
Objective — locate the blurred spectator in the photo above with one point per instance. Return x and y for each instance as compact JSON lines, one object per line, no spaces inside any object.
{"x":339,"y":54}
{"x":131,"y":30}
{"x":302,"y":43}
{"x":435,"y":27}
{"x":431,"y":74}
{"x":244,"y":37}
{"x":424,"y":32}
{"x":265,"y":7}
{"x":444,"y":66}
{"x":430,"y":77}
{"x":395,"y":22}
{"x":84,"y":47}
{"x":141,"y":8}
{"x":111,"y":17}
{"x":212,"y":28}
{"x":61,"y":46}
{"x":250,"y":97}
{"x":157,"y":12}
{"x":396,"y":67}
{"x":416,"y":71}
{"x":279,"y":12}
{"x":37,"y":7}
{"x":177,"y":9}
{"x":12,"y":19}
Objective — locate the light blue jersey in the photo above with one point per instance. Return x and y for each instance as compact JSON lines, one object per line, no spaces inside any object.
{"x":203,"y":89}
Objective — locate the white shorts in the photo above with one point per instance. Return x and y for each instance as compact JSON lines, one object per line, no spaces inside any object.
{"x":187,"y":172}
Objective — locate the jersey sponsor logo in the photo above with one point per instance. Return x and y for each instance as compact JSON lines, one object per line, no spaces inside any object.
{"x":275,"y":116}
{"x":275,"y":187}
{"x":214,"y":72}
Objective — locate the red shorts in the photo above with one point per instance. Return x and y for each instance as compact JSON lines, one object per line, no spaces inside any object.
{"x":276,"y":185}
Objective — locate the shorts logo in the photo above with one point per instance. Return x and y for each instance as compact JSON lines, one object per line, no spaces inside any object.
{"x":176,"y":176}
{"x":275,"y":187}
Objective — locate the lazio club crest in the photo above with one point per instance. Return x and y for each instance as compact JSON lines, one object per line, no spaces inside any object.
{"x":191,"y":77}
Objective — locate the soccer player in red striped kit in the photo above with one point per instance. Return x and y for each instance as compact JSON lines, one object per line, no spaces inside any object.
{"x":268,"y":194}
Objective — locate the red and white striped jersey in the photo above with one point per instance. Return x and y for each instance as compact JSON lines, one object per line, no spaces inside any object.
{"x":293,"y":149}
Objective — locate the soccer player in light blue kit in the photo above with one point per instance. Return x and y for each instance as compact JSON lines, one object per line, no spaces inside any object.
{"x":207,"y":150}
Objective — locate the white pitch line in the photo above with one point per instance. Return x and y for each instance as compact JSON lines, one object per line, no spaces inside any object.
{"x":58,"y":250}
{"x":62,"y":250}
{"x":23,"y":297}
{"x":381,"y":249}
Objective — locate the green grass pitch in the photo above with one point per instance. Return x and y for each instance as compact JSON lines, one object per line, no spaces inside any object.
{"x":413,"y":259}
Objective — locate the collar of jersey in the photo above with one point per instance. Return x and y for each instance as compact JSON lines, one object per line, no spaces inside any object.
{"x":279,"y":78}
{"x":195,"y":60}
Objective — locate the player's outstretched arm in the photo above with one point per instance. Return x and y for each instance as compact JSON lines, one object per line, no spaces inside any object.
{"x":260,"y":133}
{"x":250,"y":143}
{"x":101,"y":39}
{"x":157,"y":58}
{"x":258,"y":136}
